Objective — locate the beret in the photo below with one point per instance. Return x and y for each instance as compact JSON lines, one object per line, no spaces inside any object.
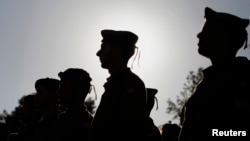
{"x":122,"y":38}
{"x":151,"y":92}
{"x":76,"y":75}
{"x":226,"y":20}
{"x":50,"y":84}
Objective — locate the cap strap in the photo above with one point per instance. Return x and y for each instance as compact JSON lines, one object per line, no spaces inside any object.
{"x":246,"y":42}
{"x":139,"y":55}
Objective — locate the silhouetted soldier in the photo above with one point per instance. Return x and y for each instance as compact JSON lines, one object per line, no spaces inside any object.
{"x":121,"y":112}
{"x":221,"y":100}
{"x":153,"y":133}
{"x":47,"y":103}
{"x":74,"y":119}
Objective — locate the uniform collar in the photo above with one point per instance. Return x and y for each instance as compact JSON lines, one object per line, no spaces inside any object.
{"x":118,"y":73}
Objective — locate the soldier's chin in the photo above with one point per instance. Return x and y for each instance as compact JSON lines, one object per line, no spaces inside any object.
{"x":203,"y":54}
{"x":104,"y":66}
{"x":199,"y":51}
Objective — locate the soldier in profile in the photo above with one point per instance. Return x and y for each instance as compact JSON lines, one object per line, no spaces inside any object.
{"x":221,"y":99}
{"x":122,"y":110}
{"x":47,"y":104}
{"x":74,"y":118}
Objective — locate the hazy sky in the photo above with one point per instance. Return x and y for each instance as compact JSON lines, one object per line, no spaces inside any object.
{"x":40,"y":38}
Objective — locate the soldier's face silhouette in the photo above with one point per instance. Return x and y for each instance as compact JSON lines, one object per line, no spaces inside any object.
{"x":212,"y":40}
{"x":105,"y":55}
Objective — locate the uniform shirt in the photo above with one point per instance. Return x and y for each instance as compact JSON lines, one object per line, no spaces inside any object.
{"x":74,"y":124}
{"x":121,"y":113}
{"x":219,"y":102}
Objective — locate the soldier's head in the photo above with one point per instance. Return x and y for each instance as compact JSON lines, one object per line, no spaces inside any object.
{"x":222,"y":33}
{"x":75,"y":85}
{"x":46,"y":89}
{"x":116,"y":45}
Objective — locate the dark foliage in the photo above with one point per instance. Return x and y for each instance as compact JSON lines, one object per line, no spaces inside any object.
{"x":175,"y":107}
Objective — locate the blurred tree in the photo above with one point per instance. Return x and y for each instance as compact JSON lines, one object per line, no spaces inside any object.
{"x":9,"y":122}
{"x":3,"y":127}
{"x":175,"y":107}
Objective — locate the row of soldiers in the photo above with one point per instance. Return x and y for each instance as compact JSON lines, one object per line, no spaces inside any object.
{"x":220,"y":101}
{"x":57,"y":111}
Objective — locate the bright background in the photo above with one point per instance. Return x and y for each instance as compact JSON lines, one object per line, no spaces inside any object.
{"x":40,"y":38}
